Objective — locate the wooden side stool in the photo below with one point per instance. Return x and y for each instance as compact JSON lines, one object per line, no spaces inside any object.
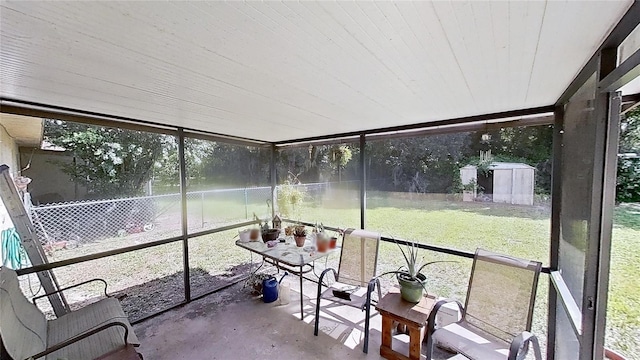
{"x":414,"y":316}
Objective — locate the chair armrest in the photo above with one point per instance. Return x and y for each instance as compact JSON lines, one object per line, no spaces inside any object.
{"x":324,"y":273}
{"x":370,"y":289}
{"x":71,"y":287}
{"x":84,"y":335}
{"x":520,"y":342}
{"x":431,"y":323}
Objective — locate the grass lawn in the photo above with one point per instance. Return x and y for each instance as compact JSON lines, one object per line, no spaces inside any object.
{"x":522,"y":231}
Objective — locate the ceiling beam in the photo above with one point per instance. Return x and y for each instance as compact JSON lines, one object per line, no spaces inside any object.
{"x":625,"y":26}
{"x":428,"y":124}
{"x":33,"y":109}
{"x":621,"y":75}
{"x":481,"y":126}
{"x":439,"y":130}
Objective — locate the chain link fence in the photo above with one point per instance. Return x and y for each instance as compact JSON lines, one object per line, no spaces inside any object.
{"x":296,"y":200}
{"x":81,"y":222}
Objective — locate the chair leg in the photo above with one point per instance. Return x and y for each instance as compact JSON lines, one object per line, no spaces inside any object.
{"x":366,"y":330}
{"x":317,"y":319}
{"x":429,"y":345}
{"x":367,"y":307}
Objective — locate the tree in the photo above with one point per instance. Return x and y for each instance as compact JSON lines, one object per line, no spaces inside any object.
{"x":628,"y":179}
{"x":109,"y":162}
{"x":532,"y":145}
{"x":420,"y":164}
{"x":630,"y":132}
{"x":318,"y":163}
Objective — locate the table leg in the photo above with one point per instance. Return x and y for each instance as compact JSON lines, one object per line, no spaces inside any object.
{"x":301,"y":300}
{"x":387,"y":325}
{"x":416,"y":335}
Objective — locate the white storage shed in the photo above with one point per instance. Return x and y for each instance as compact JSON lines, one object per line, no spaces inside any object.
{"x":511,"y":183}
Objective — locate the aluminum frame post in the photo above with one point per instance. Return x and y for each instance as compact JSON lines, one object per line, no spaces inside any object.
{"x":556,"y":202}
{"x":363,"y":182}
{"x":183,"y":201}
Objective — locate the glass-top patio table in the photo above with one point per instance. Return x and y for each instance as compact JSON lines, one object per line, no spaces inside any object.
{"x":288,"y":256}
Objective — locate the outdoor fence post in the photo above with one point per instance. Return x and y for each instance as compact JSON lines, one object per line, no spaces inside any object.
{"x":246,"y":204}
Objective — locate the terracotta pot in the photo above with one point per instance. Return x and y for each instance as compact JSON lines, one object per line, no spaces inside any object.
{"x":254,"y":235}
{"x":322,"y":245}
{"x":333,"y":242}
{"x":300,"y":240}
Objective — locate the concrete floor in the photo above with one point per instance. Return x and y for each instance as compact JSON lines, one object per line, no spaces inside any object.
{"x":232,"y":324}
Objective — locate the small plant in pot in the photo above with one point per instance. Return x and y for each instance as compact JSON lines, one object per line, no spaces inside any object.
{"x":410,"y":277}
{"x":254,"y":282}
{"x":322,"y":239}
{"x":300,"y":235}
{"x":267,"y":233}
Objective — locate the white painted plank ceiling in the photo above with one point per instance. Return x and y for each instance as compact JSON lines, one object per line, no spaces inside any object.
{"x":285,"y":70}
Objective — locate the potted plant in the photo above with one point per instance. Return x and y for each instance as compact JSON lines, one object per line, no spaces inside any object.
{"x":254,"y":282}
{"x":300,"y":235}
{"x":322,"y":239}
{"x":333,"y":242}
{"x":267,"y":233}
{"x":410,"y":277}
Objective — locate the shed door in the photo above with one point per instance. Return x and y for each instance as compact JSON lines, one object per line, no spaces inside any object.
{"x":502,"y":185}
{"x":523,"y":186}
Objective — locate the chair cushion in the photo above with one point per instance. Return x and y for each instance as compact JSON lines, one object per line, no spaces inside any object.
{"x":23,"y":327}
{"x":87,"y":318}
{"x":463,"y":338}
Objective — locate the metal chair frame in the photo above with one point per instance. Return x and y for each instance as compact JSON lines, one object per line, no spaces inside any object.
{"x":366,"y":306}
{"x":520,"y":342}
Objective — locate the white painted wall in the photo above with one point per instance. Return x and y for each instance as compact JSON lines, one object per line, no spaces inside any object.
{"x":8,"y":156}
{"x":48,"y":182}
{"x":8,"y":150}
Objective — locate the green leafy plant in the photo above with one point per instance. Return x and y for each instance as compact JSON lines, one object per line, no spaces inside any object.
{"x":628,"y":181}
{"x":299,"y":231}
{"x":254,"y":282}
{"x":289,"y":198}
{"x":471,"y":186}
{"x":413,"y":266}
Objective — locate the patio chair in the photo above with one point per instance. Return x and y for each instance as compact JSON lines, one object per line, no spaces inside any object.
{"x":496,"y":318}
{"x":354,"y":281}
{"x":87,"y":333}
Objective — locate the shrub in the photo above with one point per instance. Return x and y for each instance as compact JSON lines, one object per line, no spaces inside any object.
{"x":628,"y":182}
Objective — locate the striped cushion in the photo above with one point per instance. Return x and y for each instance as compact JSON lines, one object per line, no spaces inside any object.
{"x":87,"y":318}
